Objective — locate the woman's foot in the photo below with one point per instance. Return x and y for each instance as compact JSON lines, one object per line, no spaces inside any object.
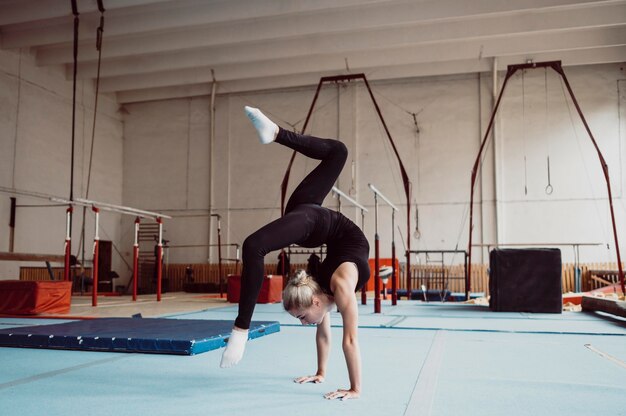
{"x":233,"y":353}
{"x":265,"y":128}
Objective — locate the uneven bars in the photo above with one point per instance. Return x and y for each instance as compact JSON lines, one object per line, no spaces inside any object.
{"x":104,"y":208}
{"x":87,"y":203}
{"x":123,"y":208}
{"x":14,"y":191}
{"x":377,"y":192}
{"x":352,"y":201}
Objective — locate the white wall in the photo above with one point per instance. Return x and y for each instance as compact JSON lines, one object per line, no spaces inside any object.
{"x":158,"y":158}
{"x":35,"y":156}
{"x":166,"y":160}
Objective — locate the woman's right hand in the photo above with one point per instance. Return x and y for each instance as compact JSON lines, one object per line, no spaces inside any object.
{"x":309,"y":379}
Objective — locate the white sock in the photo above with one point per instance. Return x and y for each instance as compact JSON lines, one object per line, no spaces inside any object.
{"x":234,"y":349}
{"x":265,"y":128}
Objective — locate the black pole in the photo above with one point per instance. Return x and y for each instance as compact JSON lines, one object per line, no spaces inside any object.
{"x":12,"y":224}
{"x":76,"y":21}
{"x":394,"y":285}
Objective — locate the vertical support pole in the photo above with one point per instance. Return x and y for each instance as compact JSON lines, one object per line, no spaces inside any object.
{"x":467,"y":295}
{"x":376,"y":258}
{"x":219,"y":256}
{"x":96,"y":255}
{"x":12,"y":224}
{"x":68,"y":243}
{"x":159,"y":258}
{"x":364,"y":288}
{"x":394,"y":285}
{"x":136,"y":258}
{"x":237,"y":261}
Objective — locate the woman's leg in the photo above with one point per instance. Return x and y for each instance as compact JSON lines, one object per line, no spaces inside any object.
{"x":332,"y":153}
{"x":291,"y":228}
{"x":318,"y":183}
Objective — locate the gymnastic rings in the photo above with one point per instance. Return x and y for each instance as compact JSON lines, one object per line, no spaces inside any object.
{"x":549,"y":188}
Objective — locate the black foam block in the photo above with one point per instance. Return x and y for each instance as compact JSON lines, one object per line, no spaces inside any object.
{"x":525,"y":280}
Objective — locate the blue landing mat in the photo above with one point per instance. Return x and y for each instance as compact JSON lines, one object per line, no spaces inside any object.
{"x":143,"y":335}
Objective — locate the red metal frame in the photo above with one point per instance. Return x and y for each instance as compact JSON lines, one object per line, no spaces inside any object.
{"x":159,"y":258}
{"x":405,"y":177}
{"x":136,"y":258}
{"x":219,"y":253}
{"x":96,"y":257}
{"x":68,"y":243}
{"x":556,"y":66}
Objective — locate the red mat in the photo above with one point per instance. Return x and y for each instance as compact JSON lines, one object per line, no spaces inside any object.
{"x":19,"y":297}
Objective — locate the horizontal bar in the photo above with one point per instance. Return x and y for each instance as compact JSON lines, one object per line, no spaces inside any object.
{"x":123,"y":208}
{"x":14,"y":191}
{"x":104,"y":208}
{"x":436,"y":251}
{"x":536,"y":244}
{"x":86,"y":203}
{"x":201,"y":245}
{"x":342,"y":78}
{"x":341,"y":194}
{"x":531,"y":64}
{"x":377,"y":192}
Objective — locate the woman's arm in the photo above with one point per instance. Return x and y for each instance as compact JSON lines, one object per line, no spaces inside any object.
{"x":322,"y":341}
{"x":343,"y":284}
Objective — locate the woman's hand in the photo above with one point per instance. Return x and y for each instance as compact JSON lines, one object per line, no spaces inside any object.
{"x":309,"y":379}
{"x":342,"y":394}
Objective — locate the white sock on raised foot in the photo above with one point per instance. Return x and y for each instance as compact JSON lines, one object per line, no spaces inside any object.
{"x":235,"y":348}
{"x":265,"y":128}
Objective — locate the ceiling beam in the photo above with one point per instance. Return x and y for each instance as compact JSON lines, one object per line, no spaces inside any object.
{"x":23,"y":11}
{"x":171,"y":16}
{"x":346,"y":20}
{"x":568,"y":58}
{"x":470,"y":49}
{"x":389,"y":37}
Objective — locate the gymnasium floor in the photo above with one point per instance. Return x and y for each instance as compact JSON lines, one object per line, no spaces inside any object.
{"x":418,"y":359}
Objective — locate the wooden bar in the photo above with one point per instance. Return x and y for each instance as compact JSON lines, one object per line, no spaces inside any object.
{"x":57,"y":258}
{"x":612,"y":306}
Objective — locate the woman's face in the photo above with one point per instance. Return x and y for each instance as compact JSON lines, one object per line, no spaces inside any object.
{"x":314,"y":314}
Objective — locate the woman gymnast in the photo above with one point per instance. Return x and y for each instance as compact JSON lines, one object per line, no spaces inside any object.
{"x":306,"y":223}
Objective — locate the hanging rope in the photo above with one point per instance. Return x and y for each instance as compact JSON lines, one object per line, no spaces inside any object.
{"x":99,"y":33}
{"x":76,"y":22}
{"x":549,"y":188}
{"x":524,"y":134}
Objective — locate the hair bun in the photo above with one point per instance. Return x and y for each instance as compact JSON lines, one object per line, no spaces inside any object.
{"x":301,"y":278}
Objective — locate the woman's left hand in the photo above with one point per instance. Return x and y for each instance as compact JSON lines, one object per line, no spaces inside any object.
{"x":342,"y":394}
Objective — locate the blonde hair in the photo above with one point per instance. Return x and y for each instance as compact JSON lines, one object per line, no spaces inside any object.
{"x":299,"y":292}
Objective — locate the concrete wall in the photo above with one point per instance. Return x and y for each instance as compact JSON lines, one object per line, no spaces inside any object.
{"x":35,"y":156}
{"x":167,"y":152}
